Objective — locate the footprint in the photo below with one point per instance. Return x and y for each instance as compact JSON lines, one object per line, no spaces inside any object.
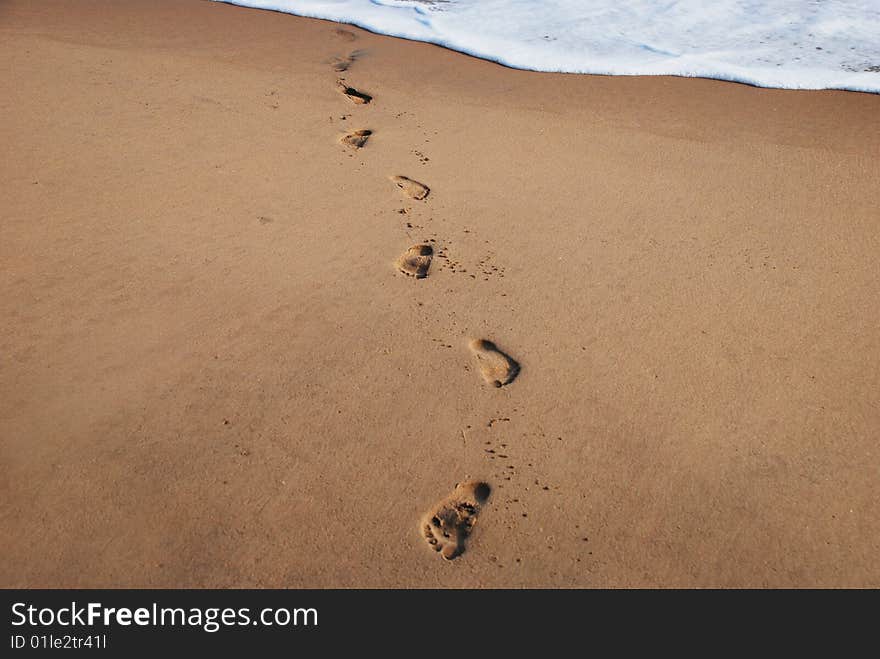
{"x":353,"y":94}
{"x":416,"y":260}
{"x":341,"y":64}
{"x":497,"y":367}
{"x":448,"y":524}
{"x":411,"y":188}
{"x":357,"y":139}
{"x":345,"y":35}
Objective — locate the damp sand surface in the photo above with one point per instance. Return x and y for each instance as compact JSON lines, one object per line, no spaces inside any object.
{"x":237,"y":351}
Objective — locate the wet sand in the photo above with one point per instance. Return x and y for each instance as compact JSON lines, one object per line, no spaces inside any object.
{"x":223,"y":366}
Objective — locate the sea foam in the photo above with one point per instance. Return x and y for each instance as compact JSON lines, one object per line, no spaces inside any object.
{"x":789,"y":44}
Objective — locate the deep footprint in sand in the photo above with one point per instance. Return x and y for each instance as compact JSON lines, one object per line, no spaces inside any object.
{"x":359,"y":98}
{"x":356,"y":139}
{"x":415,"y":261}
{"x":497,"y":367}
{"x":448,"y":524}
{"x":412,"y":189}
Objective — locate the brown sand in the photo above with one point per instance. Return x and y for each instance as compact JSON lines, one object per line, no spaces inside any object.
{"x":213,"y":374}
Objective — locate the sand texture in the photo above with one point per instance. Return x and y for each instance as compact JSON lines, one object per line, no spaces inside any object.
{"x":238,"y":349}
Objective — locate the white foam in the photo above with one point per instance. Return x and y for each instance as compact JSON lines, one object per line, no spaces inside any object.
{"x":790,"y":44}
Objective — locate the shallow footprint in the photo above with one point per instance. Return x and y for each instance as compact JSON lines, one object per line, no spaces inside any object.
{"x":353,"y":94}
{"x":345,"y":35}
{"x":416,"y":260}
{"x":448,"y":524}
{"x":357,"y":139}
{"x":496,"y":367}
{"x":341,"y":64}
{"x":411,"y":188}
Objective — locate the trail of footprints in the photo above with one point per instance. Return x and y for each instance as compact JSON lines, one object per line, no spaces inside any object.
{"x":447,"y":525}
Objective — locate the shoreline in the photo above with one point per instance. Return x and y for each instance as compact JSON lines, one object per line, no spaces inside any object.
{"x":216,"y":376}
{"x":444,"y":27}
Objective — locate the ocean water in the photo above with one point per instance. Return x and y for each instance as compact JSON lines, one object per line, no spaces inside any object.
{"x":790,"y":44}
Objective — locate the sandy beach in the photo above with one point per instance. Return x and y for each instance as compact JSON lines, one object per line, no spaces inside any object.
{"x":215,"y":374}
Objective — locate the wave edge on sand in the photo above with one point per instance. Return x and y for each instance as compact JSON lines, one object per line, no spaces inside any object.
{"x":791,"y":45}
